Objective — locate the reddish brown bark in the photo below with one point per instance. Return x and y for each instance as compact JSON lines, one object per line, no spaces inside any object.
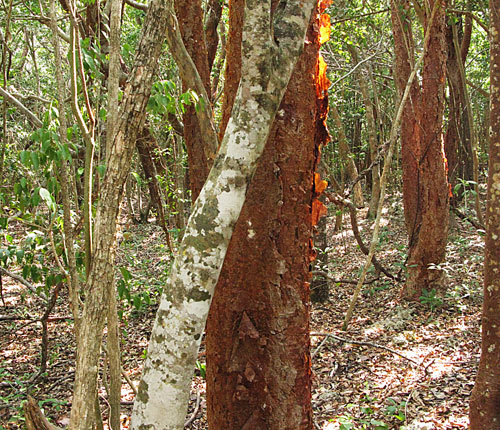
{"x":258,"y":367}
{"x":425,"y":187}
{"x":190,"y":16}
{"x":485,"y":399}
{"x":233,"y":61}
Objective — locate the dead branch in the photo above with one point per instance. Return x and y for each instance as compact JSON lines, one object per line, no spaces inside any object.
{"x":358,"y":342}
{"x":23,"y":281}
{"x":196,"y":409}
{"x":341,"y":281}
{"x":340,"y":201}
{"x":464,"y":217}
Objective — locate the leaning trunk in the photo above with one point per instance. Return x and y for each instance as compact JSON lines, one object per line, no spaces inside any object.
{"x":267,"y":62}
{"x":258,"y":330}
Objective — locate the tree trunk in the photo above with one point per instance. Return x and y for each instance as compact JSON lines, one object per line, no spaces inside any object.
{"x":190,"y":17}
{"x":100,"y":279}
{"x":485,"y":399}
{"x":372,"y":134}
{"x":268,"y":62}
{"x":458,"y":139}
{"x":258,"y":373}
{"x":425,"y":188}
{"x":346,"y":158}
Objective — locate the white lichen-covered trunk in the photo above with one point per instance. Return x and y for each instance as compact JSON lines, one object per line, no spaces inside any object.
{"x":272,"y":44}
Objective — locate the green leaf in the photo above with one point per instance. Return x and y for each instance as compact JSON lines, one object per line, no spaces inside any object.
{"x":47,"y":197}
{"x":379,"y":425}
{"x":101,"y":170}
{"x":126,"y":274}
{"x":66,"y":155}
{"x":25,"y":158}
{"x":137,"y":302}
{"x":35,"y":159}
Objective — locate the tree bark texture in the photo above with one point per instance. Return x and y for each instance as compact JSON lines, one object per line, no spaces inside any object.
{"x":100,"y":279}
{"x":190,"y":17}
{"x":232,"y":74}
{"x":258,"y":368}
{"x":425,"y":187}
{"x":485,"y":399}
{"x":267,"y":60}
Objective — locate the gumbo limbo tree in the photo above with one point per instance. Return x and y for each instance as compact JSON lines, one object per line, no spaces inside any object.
{"x":425,"y":186}
{"x":258,"y":365}
{"x":485,"y":399}
{"x":272,"y":43}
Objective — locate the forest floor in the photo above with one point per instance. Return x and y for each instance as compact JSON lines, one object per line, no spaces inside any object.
{"x":356,"y":385}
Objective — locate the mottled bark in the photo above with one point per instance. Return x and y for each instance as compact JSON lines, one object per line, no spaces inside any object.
{"x":100,"y":279}
{"x":268,"y":60}
{"x":257,"y":333}
{"x":485,"y":399}
{"x":425,"y":187}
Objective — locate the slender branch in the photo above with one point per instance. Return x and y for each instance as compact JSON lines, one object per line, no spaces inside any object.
{"x":341,"y":281}
{"x":358,"y":342}
{"x":387,"y":165}
{"x":189,"y":73}
{"x":137,"y":5}
{"x":23,"y":281}
{"x":196,"y":409}
{"x":483,"y":92}
{"x":474,"y":17}
{"x":352,"y":18}
{"x":350,"y":72}
{"x":340,"y":201}
{"x":30,"y":115}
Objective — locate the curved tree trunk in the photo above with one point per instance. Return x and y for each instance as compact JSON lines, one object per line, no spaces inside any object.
{"x":425,"y":187}
{"x":485,"y":399}
{"x":258,"y":373}
{"x":268,"y":63}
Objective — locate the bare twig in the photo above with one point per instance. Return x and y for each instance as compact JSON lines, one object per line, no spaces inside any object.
{"x":196,"y":409}
{"x":341,"y":281}
{"x":362,"y":343}
{"x":338,"y":200}
{"x":14,"y":101}
{"x":464,"y":217}
{"x":23,"y":281}
{"x":387,"y":163}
